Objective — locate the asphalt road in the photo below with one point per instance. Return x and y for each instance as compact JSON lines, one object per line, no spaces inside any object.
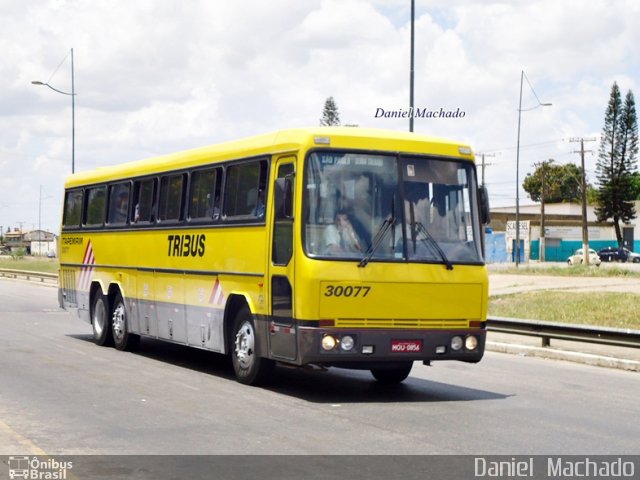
{"x":61,"y":395}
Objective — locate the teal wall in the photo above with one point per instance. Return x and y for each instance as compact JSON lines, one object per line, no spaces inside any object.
{"x":567,"y":247}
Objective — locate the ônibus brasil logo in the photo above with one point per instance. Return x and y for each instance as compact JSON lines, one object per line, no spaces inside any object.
{"x":35,"y":469}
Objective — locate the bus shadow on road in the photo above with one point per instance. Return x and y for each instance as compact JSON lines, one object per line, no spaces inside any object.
{"x":182,"y":356}
{"x":353,"y":386}
{"x":332,"y":386}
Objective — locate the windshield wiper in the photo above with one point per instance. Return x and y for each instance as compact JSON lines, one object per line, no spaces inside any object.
{"x":379,"y":236}
{"x":427,"y":239}
{"x":377,"y":240}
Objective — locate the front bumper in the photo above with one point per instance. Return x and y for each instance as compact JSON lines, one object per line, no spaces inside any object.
{"x":375,"y":346}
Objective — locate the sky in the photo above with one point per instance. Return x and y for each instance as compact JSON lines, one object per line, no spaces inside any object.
{"x":155,"y":77}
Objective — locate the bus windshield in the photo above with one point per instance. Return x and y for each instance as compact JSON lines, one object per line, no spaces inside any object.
{"x":376,"y":207}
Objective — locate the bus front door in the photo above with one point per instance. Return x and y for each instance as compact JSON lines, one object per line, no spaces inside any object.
{"x":282,"y":328}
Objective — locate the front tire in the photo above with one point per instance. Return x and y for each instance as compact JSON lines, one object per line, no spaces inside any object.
{"x":249,"y":367}
{"x":122,"y":338}
{"x":392,"y":375}
{"x":101,"y":321}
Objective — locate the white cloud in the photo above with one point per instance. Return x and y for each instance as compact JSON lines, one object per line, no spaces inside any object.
{"x":154,"y":77}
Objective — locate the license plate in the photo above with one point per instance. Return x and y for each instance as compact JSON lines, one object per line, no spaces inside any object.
{"x":406,"y":346}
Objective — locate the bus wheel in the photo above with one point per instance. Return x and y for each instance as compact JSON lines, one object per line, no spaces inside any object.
{"x":100,"y":321}
{"x":249,"y":367}
{"x":392,"y":375}
{"x":122,"y":338}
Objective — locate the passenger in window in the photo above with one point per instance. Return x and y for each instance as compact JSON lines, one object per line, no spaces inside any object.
{"x":341,"y":237}
{"x":122,"y":206}
{"x":438,"y":220}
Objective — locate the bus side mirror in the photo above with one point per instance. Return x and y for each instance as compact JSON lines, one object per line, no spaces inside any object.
{"x":483,"y":197}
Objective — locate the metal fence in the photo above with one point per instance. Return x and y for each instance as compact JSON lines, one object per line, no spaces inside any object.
{"x":29,"y":275}
{"x":562,"y":331}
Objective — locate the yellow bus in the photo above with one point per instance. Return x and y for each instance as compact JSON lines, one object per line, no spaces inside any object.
{"x":333,"y":247}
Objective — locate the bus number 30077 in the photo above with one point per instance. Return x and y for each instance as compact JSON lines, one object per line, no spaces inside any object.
{"x":348,"y":291}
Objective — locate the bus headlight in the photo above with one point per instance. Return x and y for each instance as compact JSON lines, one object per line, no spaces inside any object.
{"x":347,"y":343}
{"x":471,"y":342}
{"x":456,"y":343}
{"x":328,"y":343}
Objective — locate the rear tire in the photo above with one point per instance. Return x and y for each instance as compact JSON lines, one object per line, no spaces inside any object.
{"x":249,"y":367}
{"x":393,"y":375}
{"x":122,"y":338}
{"x":101,"y":321}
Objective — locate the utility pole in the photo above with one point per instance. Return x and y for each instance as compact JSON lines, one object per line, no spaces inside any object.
{"x":542,"y":226}
{"x":483,"y":164}
{"x":40,"y":223}
{"x":543,"y":192}
{"x":583,"y":187}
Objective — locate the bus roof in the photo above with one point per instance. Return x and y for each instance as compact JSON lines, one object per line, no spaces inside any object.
{"x":278,"y":142}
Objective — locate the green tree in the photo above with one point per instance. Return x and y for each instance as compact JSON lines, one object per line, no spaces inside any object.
{"x":617,"y":161}
{"x":330,"y":115}
{"x":636,"y":185}
{"x":562,"y":182}
{"x":592,"y":195}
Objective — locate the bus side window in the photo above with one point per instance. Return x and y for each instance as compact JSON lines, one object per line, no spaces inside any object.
{"x":171,"y":195}
{"x":119,"y":203}
{"x":95,"y":207}
{"x":204,"y":203}
{"x":282,"y":247}
{"x":72,"y":208}
{"x":144,"y":201}
{"x":245,"y":190}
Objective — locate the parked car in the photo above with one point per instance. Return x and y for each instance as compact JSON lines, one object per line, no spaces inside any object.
{"x":578,"y":258}
{"x":633,"y":256}
{"x":610,"y":254}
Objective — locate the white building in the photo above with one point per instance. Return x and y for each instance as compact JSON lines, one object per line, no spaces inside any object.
{"x":563,"y":230}
{"x":41,"y":243}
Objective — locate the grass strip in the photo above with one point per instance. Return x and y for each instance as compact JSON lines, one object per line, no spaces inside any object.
{"x":44,"y":265}
{"x":570,"y":271}
{"x":603,"y":309}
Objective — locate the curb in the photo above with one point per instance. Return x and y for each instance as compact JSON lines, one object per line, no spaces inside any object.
{"x":554,"y":354}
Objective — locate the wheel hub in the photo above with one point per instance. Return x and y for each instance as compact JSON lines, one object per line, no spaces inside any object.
{"x":118,"y":321}
{"x":245,"y":345}
{"x":99,"y":318}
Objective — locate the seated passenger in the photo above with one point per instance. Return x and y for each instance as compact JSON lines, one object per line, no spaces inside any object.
{"x":340,"y":237}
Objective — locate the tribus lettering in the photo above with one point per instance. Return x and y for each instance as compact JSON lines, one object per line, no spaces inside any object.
{"x":186,"y":245}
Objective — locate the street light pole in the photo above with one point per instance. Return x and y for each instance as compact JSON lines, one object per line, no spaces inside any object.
{"x":540,"y":104}
{"x":517,"y":245}
{"x":73,"y":111}
{"x":411,"y":73}
{"x":73,"y":118}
